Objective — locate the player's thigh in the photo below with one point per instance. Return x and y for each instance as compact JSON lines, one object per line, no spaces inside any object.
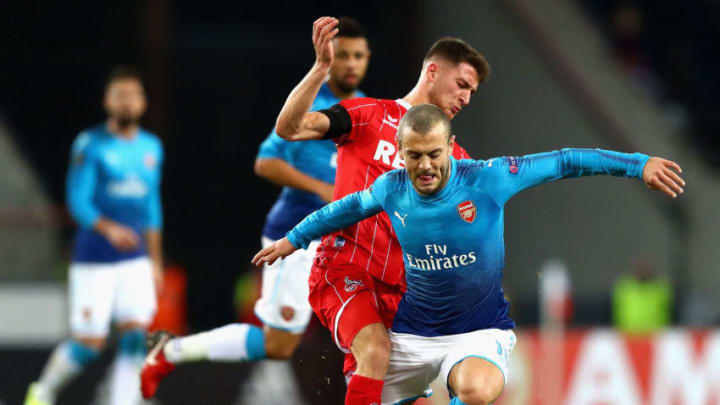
{"x":135,"y":298}
{"x":477,"y":362}
{"x":414,"y":363}
{"x":343,"y":298}
{"x":91,"y":290}
{"x":283,"y":304}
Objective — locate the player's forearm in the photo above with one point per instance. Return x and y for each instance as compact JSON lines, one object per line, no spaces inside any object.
{"x":298,"y":103}
{"x":333,"y":217}
{"x":588,"y":162}
{"x":154,"y":247}
{"x":281,"y":173}
{"x":102,"y":225}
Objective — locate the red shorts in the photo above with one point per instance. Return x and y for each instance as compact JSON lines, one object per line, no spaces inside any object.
{"x":346,"y":298}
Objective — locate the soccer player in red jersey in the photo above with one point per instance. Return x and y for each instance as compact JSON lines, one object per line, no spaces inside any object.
{"x":357,"y":278}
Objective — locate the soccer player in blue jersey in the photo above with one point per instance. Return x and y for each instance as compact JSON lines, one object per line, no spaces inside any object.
{"x":113,"y":193}
{"x":448,"y":216}
{"x":306,"y":170}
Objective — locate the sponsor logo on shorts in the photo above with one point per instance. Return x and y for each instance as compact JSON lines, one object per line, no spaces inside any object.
{"x":352,"y":285}
{"x":287,"y":312}
{"x":339,"y":242}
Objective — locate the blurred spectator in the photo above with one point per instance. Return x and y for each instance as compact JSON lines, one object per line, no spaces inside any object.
{"x":642,"y":300}
{"x":630,"y":45}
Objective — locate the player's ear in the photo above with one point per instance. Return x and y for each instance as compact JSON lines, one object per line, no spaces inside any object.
{"x":451,"y":144}
{"x":431,"y":71}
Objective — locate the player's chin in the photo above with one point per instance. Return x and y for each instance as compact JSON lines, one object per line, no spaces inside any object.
{"x":424,"y":188}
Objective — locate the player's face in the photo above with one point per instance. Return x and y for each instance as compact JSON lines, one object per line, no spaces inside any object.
{"x":351,"y":61}
{"x":125,"y":101}
{"x":452,"y":86}
{"x":427,"y":158}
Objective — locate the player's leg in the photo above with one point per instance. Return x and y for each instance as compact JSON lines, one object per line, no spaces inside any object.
{"x":371,"y":349}
{"x":90,"y":292}
{"x":283,"y":305}
{"x":344,"y":300}
{"x":476,"y":381}
{"x":477,"y":364}
{"x":229,"y":343}
{"x":414,"y":364}
{"x":134,"y":308}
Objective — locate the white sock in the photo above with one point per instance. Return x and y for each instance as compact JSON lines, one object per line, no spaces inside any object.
{"x":125,"y":380}
{"x":227,"y":343}
{"x":60,"y":369}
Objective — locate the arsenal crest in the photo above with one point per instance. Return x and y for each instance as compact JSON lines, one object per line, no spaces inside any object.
{"x":467,"y":211}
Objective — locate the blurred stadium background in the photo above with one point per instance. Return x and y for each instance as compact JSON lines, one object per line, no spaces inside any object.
{"x":625,"y":75}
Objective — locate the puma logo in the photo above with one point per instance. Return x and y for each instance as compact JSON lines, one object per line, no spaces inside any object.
{"x":401,"y":218}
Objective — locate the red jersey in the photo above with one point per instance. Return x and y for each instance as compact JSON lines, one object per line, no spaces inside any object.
{"x":365,"y":153}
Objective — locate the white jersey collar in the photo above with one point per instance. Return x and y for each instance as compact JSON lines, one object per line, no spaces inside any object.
{"x":404,"y":103}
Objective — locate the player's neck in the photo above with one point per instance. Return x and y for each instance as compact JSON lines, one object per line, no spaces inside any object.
{"x":417,"y":96}
{"x":338,"y":92}
{"x":126,"y":132}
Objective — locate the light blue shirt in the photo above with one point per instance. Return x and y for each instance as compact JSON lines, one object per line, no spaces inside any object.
{"x":116,"y":178}
{"x":452,"y":241}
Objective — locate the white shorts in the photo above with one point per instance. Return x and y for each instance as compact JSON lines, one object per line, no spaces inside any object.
{"x":283,"y":303}
{"x":102,"y":292}
{"x":415,"y":361}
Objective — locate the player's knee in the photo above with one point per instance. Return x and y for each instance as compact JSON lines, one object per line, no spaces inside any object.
{"x":474,"y":394}
{"x":94,"y":343}
{"x":280,"y":345}
{"x":376,"y":351}
{"x":277,"y":349}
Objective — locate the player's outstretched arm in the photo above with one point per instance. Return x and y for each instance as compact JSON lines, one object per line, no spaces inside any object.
{"x":664,"y":175}
{"x":333,"y":217}
{"x":277,"y":250}
{"x":294,"y":122}
{"x":520,"y":173}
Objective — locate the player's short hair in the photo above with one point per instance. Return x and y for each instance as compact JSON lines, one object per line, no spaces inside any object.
{"x":421,"y":119}
{"x":122,"y":72}
{"x":350,"y":28}
{"x":456,"y":51}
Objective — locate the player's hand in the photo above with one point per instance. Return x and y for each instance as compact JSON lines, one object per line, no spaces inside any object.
{"x":120,"y":236}
{"x":324,"y":30}
{"x":278,"y":250}
{"x":325,"y":191}
{"x":664,"y":175}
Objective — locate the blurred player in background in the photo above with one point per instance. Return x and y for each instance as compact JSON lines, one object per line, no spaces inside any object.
{"x":113,"y":193}
{"x":357,"y":277}
{"x":306,"y":170}
{"x":448,"y":217}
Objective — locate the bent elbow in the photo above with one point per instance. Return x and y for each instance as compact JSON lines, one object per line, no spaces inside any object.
{"x":284,"y":131}
{"x":260,"y":167}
